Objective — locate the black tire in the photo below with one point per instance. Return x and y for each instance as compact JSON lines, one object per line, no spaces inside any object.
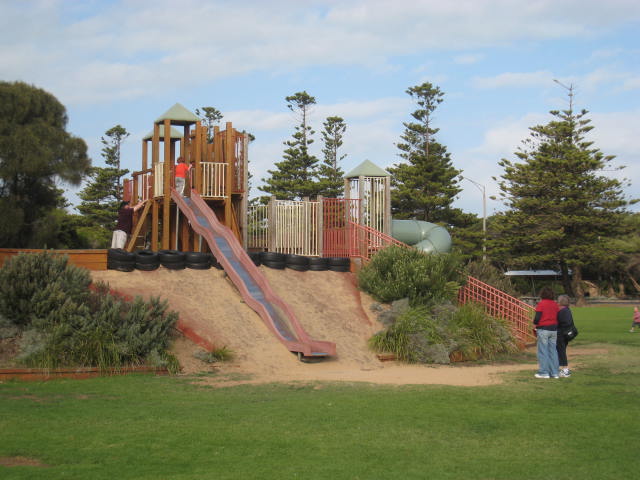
{"x":170,"y":256}
{"x":339,"y":262}
{"x":120,"y":254}
{"x":121,"y":266}
{"x":147,"y":267}
{"x":318,"y":264}
{"x":197,"y":257}
{"x":198,"y":266}
{"x":298,"y":268}
{"x":272,"y":257}
{"x":297,"y":260}
{"x":275,"y":265}
{"x":174,"y":265}
{"x":147,"y":257}
{"x":255,"y":258}
{"x":339,"y":268}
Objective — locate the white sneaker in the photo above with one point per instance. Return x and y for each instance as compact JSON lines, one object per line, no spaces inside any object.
{"x":565,"y":372}
{"x":541,"y":375}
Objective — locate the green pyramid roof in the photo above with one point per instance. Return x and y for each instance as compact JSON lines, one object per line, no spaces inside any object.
{"x":178,"y":116}
{"x":367,"y":169}
{"x":175,"y":134}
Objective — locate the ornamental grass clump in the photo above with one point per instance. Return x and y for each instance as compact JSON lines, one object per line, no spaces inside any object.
{"x":63,"y":322}
{"x":432,"y":335}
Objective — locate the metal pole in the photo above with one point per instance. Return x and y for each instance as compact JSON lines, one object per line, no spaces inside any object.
{"x":484,"y":216}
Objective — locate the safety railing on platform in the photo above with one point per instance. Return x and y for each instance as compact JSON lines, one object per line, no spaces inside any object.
{"x":258,"y":227}
{"x":499,"y":304}
{"x":213,"y":180}
{"x":158,"y":179}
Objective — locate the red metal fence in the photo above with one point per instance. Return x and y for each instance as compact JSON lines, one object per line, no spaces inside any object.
{"x":499,"y":304}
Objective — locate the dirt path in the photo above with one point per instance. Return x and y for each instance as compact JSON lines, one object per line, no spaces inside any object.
{"x":327,"y":304}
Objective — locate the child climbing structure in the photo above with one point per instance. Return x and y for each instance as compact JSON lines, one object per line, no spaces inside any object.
{"x":210,"y":216}
{"x":218,"y":172}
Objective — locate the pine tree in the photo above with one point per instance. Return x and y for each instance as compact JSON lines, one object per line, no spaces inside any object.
{"x":559,"y":205}
{"x":211,"y":116}
{"x":294,"y":175}
{"x":36,"y":155}
{"x":425,"y":186}
{"x":330,"y":175}
{"x":103,"y":193}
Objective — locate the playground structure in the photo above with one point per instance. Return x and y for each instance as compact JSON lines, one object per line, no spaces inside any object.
{"x":214,"y":216}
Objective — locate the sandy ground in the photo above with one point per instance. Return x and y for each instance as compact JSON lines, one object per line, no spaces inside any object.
{"x":327,"y":304}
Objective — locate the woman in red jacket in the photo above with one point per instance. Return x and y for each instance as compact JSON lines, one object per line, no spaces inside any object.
{"x":546,"y":326}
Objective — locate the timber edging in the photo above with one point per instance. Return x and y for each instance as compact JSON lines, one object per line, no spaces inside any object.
{"x":92,"y":259}
{"x":40,"y":374}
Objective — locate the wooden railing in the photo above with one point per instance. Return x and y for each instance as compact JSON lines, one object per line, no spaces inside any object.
{"x":498,"y":304}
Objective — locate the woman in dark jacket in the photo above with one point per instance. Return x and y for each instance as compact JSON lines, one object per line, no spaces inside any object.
{"x":565,"y":323}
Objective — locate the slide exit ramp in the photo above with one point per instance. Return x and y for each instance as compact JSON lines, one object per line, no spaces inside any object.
{"x":249,"y":280}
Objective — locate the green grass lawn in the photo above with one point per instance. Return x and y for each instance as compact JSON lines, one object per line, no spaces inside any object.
{"x":144,"y":427}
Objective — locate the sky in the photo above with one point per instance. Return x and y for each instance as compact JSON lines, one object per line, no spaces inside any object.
{"x":502,"y":65}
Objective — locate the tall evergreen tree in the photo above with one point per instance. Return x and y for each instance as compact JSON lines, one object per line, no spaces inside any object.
{"x":560,"y":206}
{"x":36,"y":155}
{"x":426,"y":184}
{"x":294,"y":175}
{"x":211,"y":116}
{"x":103,"y":193}
{"x":330,"y":175}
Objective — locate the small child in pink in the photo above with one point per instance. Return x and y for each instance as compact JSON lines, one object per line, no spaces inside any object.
{"x":636,"y":319}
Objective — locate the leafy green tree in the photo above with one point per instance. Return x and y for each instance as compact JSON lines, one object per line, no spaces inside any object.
{"x":425,"y":185}
{"x":293,"y":177}
{"x":330,"y":175}
{"x":211,"y":117}
{"x":559,"y":204}
{"x":103,"y":193}
{"x":36,"y":155}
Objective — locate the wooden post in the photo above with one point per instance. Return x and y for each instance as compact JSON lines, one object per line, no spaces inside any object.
{"x":166,"y":203}
{"x":145,"y":154}
{"x":217,"y":145}
{"x":197,"y":155}
{"x":244,"y":203}
{"x":229,"y":158}
{"x":155,"y":145}
{"x":155,"y":218}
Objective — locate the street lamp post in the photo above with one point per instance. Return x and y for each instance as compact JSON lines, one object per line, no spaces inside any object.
{"x":484,"y":216}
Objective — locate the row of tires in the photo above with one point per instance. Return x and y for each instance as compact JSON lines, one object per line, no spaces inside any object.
{"x":147,"y":260}
{"x":300,"y":263}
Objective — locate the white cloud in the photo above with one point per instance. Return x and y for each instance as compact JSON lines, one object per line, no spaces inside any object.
{"x":137,"y":45}
{"x":513,"y":79}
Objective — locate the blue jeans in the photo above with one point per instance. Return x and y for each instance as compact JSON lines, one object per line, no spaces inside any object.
{"x":547,"y":353}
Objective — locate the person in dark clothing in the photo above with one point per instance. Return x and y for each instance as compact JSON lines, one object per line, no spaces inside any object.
{"x":546,"y":327}
{"x":124,"y":224}
{"x":565,"y":323}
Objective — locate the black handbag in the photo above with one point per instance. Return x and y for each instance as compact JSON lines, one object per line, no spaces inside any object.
{"x":571,"y":333}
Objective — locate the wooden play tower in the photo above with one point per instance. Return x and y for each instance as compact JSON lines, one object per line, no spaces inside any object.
{"x":219,"y":174}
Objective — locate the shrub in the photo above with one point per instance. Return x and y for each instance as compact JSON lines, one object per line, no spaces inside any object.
{"x":68,"y":324}
{"x":40,"y":288}
{"x":395,"y":273}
